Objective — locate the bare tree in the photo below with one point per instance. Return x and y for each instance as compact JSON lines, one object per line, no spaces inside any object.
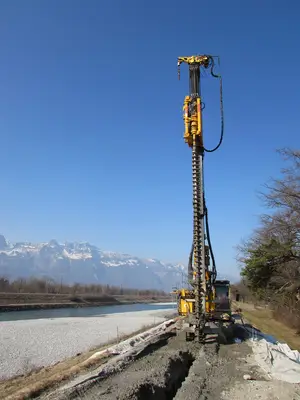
{"x":270,"y":257}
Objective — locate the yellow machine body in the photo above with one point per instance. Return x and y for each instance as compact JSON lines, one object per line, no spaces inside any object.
{"x":207,"y":299}
{"x":186,"y":299}
{"x":186,"y":302}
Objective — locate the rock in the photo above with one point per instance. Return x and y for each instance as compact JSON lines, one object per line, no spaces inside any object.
{"x":248,"y":377}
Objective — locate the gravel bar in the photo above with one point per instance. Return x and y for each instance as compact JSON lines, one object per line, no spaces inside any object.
{"x":30,"y":344}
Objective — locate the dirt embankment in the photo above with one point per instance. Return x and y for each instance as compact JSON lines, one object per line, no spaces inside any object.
{"x":180,"y":370}
{"x":262,"y":318}
{"x":36,"y":301}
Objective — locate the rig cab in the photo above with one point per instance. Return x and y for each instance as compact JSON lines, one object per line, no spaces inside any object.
{"x":222,"y":298}
{"x":218,"y":305}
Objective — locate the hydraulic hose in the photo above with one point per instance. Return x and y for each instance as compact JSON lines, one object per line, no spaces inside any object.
{"x":221,"y":106}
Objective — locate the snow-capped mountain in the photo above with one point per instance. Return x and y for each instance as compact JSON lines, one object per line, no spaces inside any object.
{"x":85,"y":263}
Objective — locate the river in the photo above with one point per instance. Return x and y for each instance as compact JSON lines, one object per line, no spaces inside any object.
{"x":83,"y":312}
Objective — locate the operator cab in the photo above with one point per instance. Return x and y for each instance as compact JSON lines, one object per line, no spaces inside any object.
{"x":222,"y":299}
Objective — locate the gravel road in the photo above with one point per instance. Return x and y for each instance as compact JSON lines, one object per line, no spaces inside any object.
{"x":30,"y":344}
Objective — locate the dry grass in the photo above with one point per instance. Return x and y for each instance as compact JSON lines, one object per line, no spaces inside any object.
{"x":262,"y":319}
{"x":288,"y":313}
{"x":33,"y":384}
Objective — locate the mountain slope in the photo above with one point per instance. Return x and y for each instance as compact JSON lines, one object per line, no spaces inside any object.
{"x":85,"y":263}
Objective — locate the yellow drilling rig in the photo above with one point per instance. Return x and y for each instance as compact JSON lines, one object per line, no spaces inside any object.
{"x":206,"y":301}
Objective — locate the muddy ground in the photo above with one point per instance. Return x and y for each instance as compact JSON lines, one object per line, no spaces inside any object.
{"x":180,"y":370}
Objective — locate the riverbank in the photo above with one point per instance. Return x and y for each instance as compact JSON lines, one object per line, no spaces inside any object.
{"x":36,"y":382}
{"x":33,"y":344}
{"x":45,"y":301}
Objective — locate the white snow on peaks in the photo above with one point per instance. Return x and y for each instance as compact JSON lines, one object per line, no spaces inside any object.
{"x":83,"y":262}
{"x":76,"y":256}
{"x":82,"y":251}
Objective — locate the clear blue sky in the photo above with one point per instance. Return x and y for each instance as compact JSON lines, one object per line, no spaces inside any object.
{"x":91,"y":121}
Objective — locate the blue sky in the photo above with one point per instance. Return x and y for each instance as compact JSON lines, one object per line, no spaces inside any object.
{"x":91,"y":121}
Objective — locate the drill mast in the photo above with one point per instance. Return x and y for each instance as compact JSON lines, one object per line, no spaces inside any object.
{"x":202,"y":279}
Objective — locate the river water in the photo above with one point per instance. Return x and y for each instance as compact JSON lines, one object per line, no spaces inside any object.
{"x":84,"y":311}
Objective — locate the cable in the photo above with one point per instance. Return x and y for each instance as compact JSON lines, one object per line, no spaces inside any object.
{"x":221,"y":106}
{"x":205,"y":210}
{"x":214,"y":268}
{"x":190,"y":265}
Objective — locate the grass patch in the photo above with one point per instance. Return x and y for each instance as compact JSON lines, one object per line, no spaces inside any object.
{"x":36,"y":382}
{"x":262,"y":319}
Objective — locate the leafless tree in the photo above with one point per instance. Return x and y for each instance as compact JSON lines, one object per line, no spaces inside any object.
{"x":275,"y":245}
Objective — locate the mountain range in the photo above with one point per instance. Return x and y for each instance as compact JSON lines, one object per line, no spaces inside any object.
{"x":82,"y":262}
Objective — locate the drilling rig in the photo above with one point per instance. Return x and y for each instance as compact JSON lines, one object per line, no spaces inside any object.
{"x":201,"y":304}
